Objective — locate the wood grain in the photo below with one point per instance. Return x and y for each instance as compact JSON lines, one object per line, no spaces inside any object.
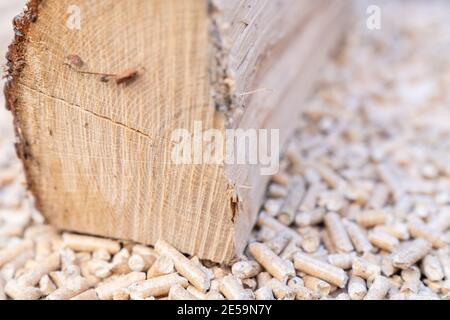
{"x":98,"y":155}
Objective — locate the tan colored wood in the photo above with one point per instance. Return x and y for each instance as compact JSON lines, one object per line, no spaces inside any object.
{"x":98,"y":154}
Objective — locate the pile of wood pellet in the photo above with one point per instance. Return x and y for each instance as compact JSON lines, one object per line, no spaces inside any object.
{"x":360,"y":209}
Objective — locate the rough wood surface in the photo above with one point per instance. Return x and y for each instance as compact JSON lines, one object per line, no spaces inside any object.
{"x":97,"y":155}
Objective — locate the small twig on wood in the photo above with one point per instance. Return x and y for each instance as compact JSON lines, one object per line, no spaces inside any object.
{"x":126,"y":76}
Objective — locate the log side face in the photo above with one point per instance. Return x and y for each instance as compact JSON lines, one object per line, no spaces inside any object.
{"x":98,"y":155}
{"x":276,"y":49}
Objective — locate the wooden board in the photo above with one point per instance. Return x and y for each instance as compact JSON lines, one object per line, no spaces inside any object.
{"x":98,"y":154}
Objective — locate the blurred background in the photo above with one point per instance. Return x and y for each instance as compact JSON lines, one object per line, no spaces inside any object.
{"x":8,"y":9}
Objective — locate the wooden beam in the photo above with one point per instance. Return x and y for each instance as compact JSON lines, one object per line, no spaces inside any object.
{"x":98,"y":154}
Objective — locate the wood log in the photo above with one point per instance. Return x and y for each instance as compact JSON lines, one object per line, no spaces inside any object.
{"x":97,"y":152}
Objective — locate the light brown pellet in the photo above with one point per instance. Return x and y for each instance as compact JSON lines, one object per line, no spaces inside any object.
{"x":119,"y":262}
{"x":68,"y":258}
{"x":72,"y":288}
{"x":387,"y":266}
{"x":177,"y":292}
{"x":365,"y":269}
{"x":9,"y":270}
{"x":214,"y":295}
{"x":87,"y":243}
{"x":40,"y":231}
{"x":264,"y":293}
{"x":90,"y":294}
{"x":321,"y":270}
{"x":329,"y":176}
{"x":357,"y":288}
{"x":411,"y":280}
{"x":265,"y":234}
{"x":402,"y":207}
{"x":295,"y":281}
{"x":418,"y":229}
{"x":434,"y":286}
{"x":432,"y":268}
{"x":383,"y":240}
{"x":309,"y":201}
{"x":358,"y":237}
{"x":43,"y":248}
{"x":263,"y":279}
{"x":279,"y":242}
{"x":311,"y":239}
{"x":265,"y":220}
{"x":292,"y":201}
{"x":379,"y":197}
{"x":327,"y":242}
{"x":341,"y":260}
{"x":317,"y":286}
{"x":407,"y":254}
{"x":220,"y":272}
{"x":311,"y":175}
{"x":303,"y":293}
{"x":331,"y":201}
{"x":148,"y":254}
{"x":2,"y":290}
{"x":249,"y":283}
{"x":280,"y":290}
{"x":106,"y":290}
{"x":246,"y":269}
{"x":343,"y":296}
{"x":281,"y":179}
{"x":162,"y":266}
{"x":398,"y":230}
{"x":337,"y":233}
{"x":101,"y":254}
{"x":46,"y":285}
{"x":160,"y":286}
{"x":371,"y":218}
{"x":394,"y":183}
{"x":31,"y":277}
{"x":18,"y":292}
{"x":441,"y":221}
{"x":277,"y":267}
{"x":99,"y":268}
{"x":309,"y":218}
{"x":379,"y":289}
{"x":289,"y":251}
{"x":184,"y":266}
{"x":444,"y":258}
{"x":353,"y":212}
{"x":58,"y":277}
{"x":10,"y":253}
{"x":197,"y":293}
{"x":121,"y":295}
{"x":231,"y":287}
{"x":277,"y":191}
{"x":273,"y":206}
{"x":209,"y":272}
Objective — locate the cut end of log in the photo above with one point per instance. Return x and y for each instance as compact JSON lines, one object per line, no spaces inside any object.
{"x":98,"y":154}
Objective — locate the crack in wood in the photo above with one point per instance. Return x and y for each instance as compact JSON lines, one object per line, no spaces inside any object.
{"x":96,"y":115}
